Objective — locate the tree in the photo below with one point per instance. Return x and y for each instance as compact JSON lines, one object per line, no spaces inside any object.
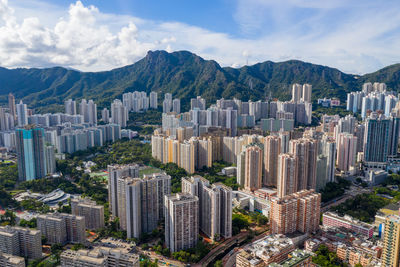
{"x":239,"y":222}
{"x":8,"y":217}
{"x":78,"y":246}
{"x":31,"y":223}
{"x":218,"y":263}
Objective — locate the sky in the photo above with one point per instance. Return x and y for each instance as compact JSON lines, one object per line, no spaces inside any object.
{"x":355,"y":36}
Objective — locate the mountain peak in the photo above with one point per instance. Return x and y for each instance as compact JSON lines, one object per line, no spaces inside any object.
{"x":185,"y":75}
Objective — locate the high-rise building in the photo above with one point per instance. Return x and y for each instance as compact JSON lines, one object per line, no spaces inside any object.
{"x":296,"y":92}
{"x":296,"y":212}
{"x":176,"y":105}
{"x":114,"y":173}
{"x":119,"y":113}
{"x":181,"y":221}
{"x":346,"y":151}
{"x":241,"y":168}
{"x":93,"y":213}
{"x":22,"y":114}
{"x":138,"y":203}
{"x":70,"y":107}
{"x":215,"y":206}
{"x":307,"y":90}
{"x":284,"y":138}
{"x":31,"y":153}
{"x":60,"y":228}
{"x":144,"y":202}
{"x":391,"y":242}
{"x":272,"y":148}
{"x":20,"y":241}
{"x":345,"y":125}
{"x":153,"y":100}
{"x":328,"y":149}
{"x":287,"y":175}
{"x":305,"y":150}
{"x":394,"y":134}
{"x":188,"y":150}
{"x":376,"y":138}
{"x":198,"y":102}
{"x":105,"y":115}
{"x":50,"y":159}
{"x":204,"y":153}
{"x":6,"y":120}
{"x":167,"y":103}
{"x":135,"y":101}
{"x":253,"y":168}
{"x":11,"y":105}
{"x":88,"y":109}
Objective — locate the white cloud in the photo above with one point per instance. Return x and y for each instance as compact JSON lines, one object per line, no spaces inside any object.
{"x":87,"y":39}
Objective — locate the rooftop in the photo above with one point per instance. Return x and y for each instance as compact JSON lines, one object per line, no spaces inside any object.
{"x":348,"y":219}
{"x":269,"y":246}
{"x":295,"y":258}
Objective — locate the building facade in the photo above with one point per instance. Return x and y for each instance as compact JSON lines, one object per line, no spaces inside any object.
{"x":181,"y":221}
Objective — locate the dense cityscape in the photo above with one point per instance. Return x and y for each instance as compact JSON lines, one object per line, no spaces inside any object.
{"x":213,"y":133}
{"x":231,"y":183}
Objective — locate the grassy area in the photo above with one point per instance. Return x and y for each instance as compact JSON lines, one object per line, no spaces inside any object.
{"x":102,"y":176}
{"x":149,"y":170}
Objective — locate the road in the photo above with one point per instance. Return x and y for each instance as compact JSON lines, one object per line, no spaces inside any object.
{"x":221,"y":248}
{"x":230,"y":259}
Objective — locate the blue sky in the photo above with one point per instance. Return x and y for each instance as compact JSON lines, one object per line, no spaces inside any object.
{"x":354,"y":36}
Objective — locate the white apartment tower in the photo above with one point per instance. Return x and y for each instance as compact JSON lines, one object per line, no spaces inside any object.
{"x":153,"y":100}
{"x":215,"y":205}
{"x":70,"y":107}
{"x":119,"y":113}
{"x":287,"y":175}
{"x":181,"y":221}
{"x":176,"y":105}
{"x":22,"y":114}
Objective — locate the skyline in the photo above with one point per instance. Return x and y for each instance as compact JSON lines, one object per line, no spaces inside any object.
{"x":357,"y":37}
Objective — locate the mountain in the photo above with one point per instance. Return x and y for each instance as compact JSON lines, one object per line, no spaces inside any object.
{"x":185,"y":75}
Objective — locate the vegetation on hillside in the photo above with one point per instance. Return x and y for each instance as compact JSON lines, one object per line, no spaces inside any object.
{"x":185,"y":75}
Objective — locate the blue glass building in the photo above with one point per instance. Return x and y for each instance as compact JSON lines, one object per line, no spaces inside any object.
{"x":30,"y":144}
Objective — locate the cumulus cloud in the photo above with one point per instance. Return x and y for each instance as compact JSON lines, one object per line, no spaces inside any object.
{"x":353,"y":36}
{"x":79,"y":40}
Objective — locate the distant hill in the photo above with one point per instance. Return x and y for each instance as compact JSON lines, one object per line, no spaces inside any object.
{"x":185,"y":75}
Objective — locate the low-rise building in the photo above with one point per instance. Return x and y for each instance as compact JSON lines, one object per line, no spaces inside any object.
{"x":331,"y":219}
{"x":99,"y":257}
{"x":271,"y":249}
{"x":297,"y":258}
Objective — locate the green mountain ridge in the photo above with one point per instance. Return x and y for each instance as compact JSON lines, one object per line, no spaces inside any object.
{"x":185,"y":75}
